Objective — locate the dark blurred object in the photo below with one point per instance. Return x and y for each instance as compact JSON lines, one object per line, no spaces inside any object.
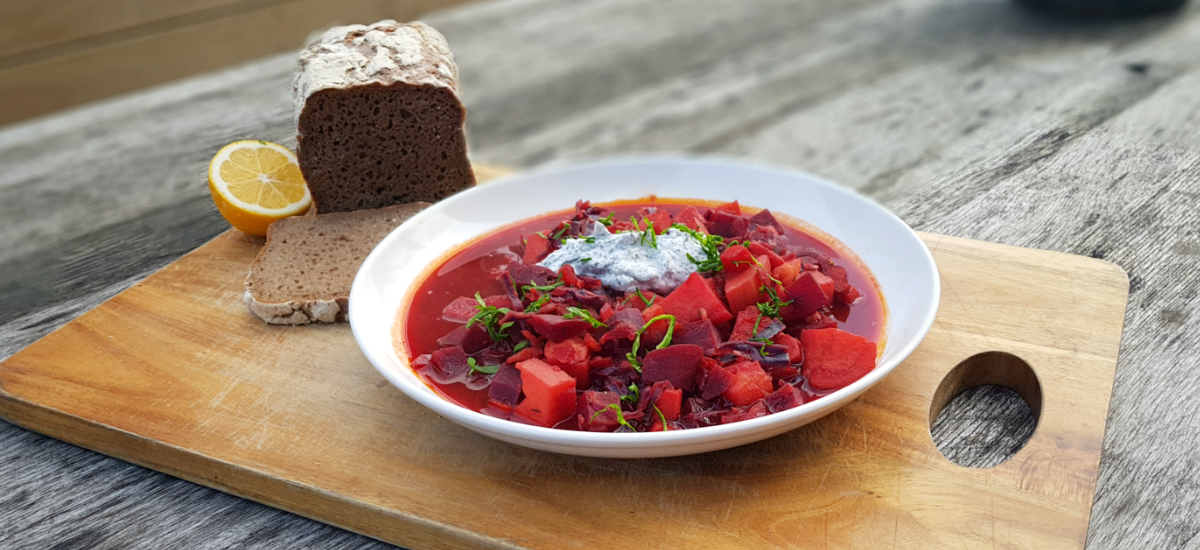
{"x":1103,"y":8}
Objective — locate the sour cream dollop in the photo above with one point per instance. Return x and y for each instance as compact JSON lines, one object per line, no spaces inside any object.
{"x":622,"y":262}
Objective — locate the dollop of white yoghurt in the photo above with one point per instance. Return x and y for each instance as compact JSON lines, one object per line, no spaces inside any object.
{"x":623,"y":263}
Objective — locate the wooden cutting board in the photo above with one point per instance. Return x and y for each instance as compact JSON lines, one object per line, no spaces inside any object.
{"x":174,"y":374}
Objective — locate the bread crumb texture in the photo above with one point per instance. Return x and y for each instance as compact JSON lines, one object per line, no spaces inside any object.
{"x":304,"y":272}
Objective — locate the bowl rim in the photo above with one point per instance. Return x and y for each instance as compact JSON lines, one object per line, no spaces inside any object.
{"x":578,"y":439}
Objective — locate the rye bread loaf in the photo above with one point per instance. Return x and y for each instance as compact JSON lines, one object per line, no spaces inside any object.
{"x":304,"y":272}
{"x":379,"y":119}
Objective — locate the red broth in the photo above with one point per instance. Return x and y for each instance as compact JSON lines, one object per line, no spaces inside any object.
{"x":470,"y":270}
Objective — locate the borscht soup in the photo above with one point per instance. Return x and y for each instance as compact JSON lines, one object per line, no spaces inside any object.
{"x":644,"y":315}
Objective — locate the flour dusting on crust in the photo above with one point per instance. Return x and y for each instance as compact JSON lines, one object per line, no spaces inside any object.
{"x":386,"y":52}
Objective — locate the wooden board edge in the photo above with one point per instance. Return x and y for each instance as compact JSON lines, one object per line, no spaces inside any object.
{"x":269,"y":489}
{"x":1118,"y":274}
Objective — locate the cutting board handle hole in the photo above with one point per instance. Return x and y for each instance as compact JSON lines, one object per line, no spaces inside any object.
{"x":986,"y":409}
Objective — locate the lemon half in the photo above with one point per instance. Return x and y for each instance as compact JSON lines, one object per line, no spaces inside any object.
{"x":255,"y":183}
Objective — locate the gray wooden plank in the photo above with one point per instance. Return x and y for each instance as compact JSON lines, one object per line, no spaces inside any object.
{"x":70,"y":498}
{"x":968,"y":117}
{"x":1125,"y":192}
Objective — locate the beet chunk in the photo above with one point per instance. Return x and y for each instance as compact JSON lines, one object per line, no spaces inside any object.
{"x":676,"y":364}
{"x":715,"y":381}
{"x":570,"y":355}
{"x":725,"y":224}
{"x":661,"y":220}
{"x":794,"y":353}
{"x":699,"y":412}
{"x":843,"y":291}
{"x":623,"y":327}
{"x":751,"y":383}
{"x":685,"y":302}
{"x":453,"y":338}
{"x":691,"y":217}
{"x":834,"y":358}
{"x":506,"y":385}
{"x":700,"y":333}
{"x":784,"y":398}
{"x":537,"y":247}
{"x":460,"y":310}
{"x":449,"y":365}
{"x":764,"y":217}
{"x":738,"y":414}
{"x":592,"y":402}
{"x":743,"y":290}
{"x":736,"y":258}
{"x":730,"y":207}
{"x":472,"y":340}
{"x":549,"y":393}
{"x":809,"y":292}
{"x":628,"y":316}
{"x":535,"y":275}
{"x":743,"y":328}
{"x":619,"y":332}
{"x":669,"y":403}
{"x":557,"y":328}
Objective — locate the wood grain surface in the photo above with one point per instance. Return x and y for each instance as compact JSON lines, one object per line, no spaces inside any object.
{"x":59,"y":54}
{"x":175,"y":374}
{"x":972,"y":118}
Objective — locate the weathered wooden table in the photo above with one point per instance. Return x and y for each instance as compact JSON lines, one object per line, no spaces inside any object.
{"x":972,"y":118}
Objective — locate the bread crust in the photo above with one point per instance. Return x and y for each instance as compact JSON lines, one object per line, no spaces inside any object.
{"x":299,"y":313}
{"x":385,"y":53}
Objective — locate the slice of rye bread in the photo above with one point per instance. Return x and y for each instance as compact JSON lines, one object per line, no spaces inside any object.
{"x":304,"y":272}
{"x":379,"y":119}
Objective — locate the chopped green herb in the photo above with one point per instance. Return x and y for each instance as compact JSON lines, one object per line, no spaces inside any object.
{"x":574,"y":312}
{"x":559,"y":235}
{"x":662,"y":418}
{"x":543,"y":288}
{"x":482,"y":369}
{"x":616,"y":407}
{"x":581,"y":260}
{"x":648,"y":236}
{"x":643,"y":297}
{"x":489,"y":317}
{"x":708,"y":243}
{"x":772,"y":306}
{"x":537,"y":304}
{"x":521,"y":345}
{"x":637,"y":339}
{"x":634,"y":394}
{"x":607,"y":220}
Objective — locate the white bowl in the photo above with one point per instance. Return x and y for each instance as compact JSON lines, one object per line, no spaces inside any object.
{"x":901,"y":263}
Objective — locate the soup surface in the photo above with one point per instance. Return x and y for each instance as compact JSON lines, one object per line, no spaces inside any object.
{"x":644,"y":315}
